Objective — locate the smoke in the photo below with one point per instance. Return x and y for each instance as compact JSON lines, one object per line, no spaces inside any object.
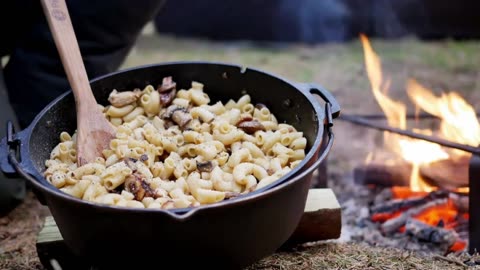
{"x":312,"y":21}
{"x":397,"y":18}
{"x":317,"y":21}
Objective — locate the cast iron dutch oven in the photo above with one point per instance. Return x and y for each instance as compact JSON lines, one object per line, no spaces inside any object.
{"x":230,"y":234}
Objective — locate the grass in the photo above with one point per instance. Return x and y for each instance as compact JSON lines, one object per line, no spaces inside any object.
{"x":442,"y":65}
{"x":332,"y":255}
{"x":19,"y":229}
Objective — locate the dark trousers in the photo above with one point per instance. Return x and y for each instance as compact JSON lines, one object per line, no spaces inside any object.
{"x":106,"y":31}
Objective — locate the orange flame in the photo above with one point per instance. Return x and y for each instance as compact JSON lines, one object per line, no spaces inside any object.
{"x":459,"y":120}
{"x":459,"y":123}
{"x":416,"y":152}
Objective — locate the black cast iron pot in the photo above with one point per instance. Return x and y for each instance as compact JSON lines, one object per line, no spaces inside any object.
{"x":227,"y":235}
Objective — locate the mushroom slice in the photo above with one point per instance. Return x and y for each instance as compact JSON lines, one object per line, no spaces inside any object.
{"x":166,"y":98}
{"x":137,"y":185}
{"x":167,"y":84}
{"x":179,"y":115}
{"x":250,"y":126}
{"x":205,"y":166}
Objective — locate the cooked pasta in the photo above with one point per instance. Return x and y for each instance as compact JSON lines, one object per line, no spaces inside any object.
{"x":177,"y":149}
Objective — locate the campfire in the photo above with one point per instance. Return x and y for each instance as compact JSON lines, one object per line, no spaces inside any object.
{"x":425,"y":185}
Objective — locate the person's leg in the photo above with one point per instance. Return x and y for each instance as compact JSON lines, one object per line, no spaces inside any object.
{"x":12,"y":190}
{"x":106,"y":31}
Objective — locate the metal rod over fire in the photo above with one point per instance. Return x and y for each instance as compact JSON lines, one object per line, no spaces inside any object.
{"x":364,"y":122}
{"x":408,"y":116}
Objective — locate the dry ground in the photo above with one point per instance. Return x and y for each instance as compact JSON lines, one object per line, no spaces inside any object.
{"x":445,"y":65}
{"x":18,"y":234}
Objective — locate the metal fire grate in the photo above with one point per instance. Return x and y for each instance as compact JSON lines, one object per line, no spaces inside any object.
{"x":474,"y":202}
{"x":474,"y":166}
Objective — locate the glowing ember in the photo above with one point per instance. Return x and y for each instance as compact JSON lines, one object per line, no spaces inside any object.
{"x":458,"y":246}
{"x":445,"y":214}
{"x":382,"y":217}
{"x":405,"y":193}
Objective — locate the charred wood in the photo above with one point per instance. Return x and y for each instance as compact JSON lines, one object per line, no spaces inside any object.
{"x":383,"y":175}
{"x":394,"y":224}
{"x":426,"y":232}
{"x":448,"y":174}
{"x":461,"y":226}
{"x":460,"y":201}
{"x":445,"y":174}
{"x":403,"y":204}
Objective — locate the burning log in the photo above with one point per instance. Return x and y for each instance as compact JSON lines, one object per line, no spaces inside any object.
{"x":397,"y":192}
{"x":383,"y":175}
{"x":403,"y":204}
{"x":460,"y":201}
{"x":448,"y":174}
{"x":445,"y":174}
{"x":406,"y":192}
{"x":394,"y":224}
{"x":434,"y":234}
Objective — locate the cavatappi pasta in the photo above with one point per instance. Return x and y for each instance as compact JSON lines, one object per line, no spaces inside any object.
{"x":177,"y":148}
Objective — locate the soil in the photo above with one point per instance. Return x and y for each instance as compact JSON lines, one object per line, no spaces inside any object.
{"x":18,"y":234}
{"x":444,"y":65}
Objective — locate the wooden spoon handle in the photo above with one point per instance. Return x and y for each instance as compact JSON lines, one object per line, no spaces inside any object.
{"x":94,"y":130}
{"x":64,"y":36}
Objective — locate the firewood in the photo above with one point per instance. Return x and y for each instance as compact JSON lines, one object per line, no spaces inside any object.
{"x":461,"y":201}
{"x":404,"y":204}
{"x":449,"y":174}
{"x":321,"y":221}
{"x":433,"y":234}
{"x":394,"y":224}
{"x":445,"y":174}
{"x":383,"y":175}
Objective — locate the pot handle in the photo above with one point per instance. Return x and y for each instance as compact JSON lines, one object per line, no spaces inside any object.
{"x":314,"y":88}
{"x":327,"y":148}
{"x":12,"y":148}
{"x":13,"y":145}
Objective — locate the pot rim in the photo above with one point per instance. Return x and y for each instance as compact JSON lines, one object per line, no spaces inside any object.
{"x":41,"y":183}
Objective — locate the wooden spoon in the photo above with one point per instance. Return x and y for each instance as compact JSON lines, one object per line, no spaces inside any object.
{"x":94,"y":131}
